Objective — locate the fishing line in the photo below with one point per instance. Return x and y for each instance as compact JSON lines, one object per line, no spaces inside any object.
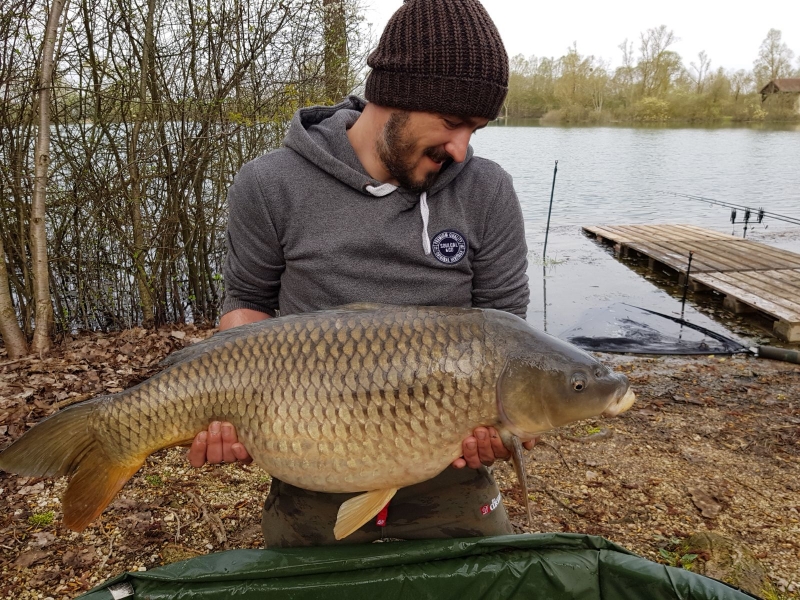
{"x":760,"y":213}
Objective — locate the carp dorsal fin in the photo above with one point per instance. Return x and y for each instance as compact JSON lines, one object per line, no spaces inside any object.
{"x":222,"y":337}
{"x":513,"y":445}
{"x":364,"y":306}
{"x":358,"y":510}
{"x":215,"y":341}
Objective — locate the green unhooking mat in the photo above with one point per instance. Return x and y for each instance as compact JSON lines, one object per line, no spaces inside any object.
{"x":542,"y":566}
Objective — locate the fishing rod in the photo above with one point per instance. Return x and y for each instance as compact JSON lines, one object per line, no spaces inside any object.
{"x":760,"y":213}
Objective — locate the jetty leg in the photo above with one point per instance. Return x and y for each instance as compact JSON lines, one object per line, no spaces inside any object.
{"x":736,"y":306}
{"x":787,"y":331}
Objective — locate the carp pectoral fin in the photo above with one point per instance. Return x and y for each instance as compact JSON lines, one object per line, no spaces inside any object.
{"x":357,"y":511}
{"x":513,"y":445}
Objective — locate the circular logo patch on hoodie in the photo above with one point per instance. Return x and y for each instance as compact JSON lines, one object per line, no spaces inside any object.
{"x":449,"y":246}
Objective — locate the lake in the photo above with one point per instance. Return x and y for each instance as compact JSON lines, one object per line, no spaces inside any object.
{"x":618,"y":175}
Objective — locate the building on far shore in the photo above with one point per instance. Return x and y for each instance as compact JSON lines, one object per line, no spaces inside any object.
{"x":786,"y":91}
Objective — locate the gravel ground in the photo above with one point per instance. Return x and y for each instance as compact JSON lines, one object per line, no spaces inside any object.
{"x":713,"y":444}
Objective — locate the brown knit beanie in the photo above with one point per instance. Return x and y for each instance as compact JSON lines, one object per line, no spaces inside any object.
{"x":443,"y":56}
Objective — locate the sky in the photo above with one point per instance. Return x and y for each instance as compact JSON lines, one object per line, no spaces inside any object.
{"x":729,"y":32}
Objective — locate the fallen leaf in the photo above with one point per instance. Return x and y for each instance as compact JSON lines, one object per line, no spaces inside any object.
{"x":78,"y":559}
{"x":27,"y":490}
{"x":709,"y":508}
{"x":43,"y":538}
{"x":124,"y":503}
{"x":27,"y":559}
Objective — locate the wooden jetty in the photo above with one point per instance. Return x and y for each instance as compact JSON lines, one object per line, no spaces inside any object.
{"x":751,"y":276}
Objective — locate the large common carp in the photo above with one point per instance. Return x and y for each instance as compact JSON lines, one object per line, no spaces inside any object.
{"x":362,"y":398}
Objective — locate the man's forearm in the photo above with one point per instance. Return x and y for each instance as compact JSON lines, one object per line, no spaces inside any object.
{"x":240,"y":316}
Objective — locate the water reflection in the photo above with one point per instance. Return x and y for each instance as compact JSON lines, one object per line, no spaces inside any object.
{"x":615,"y":175}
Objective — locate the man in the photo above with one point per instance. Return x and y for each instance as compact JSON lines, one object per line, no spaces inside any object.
{"x":384,"y":202}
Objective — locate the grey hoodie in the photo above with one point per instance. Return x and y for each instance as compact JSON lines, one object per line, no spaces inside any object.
{"x":309,"y":229}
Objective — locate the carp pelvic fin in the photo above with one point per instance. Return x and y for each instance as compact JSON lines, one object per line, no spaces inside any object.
{"x":513,"y":445}
{"x":357,"y":511}
{"x":64,"y":444}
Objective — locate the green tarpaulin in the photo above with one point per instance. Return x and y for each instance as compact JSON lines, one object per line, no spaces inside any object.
{"x":540,"y":566}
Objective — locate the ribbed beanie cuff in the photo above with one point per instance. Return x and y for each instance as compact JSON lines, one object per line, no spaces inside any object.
{"x":442,"y":56}
{"x":447,"y":95}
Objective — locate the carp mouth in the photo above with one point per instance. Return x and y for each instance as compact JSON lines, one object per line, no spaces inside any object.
{"x":621,"y":404}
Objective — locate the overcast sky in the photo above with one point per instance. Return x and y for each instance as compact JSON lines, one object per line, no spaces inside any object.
{"x":729,"y":32}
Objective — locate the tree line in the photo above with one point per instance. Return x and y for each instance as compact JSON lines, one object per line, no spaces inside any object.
{"x":122,"y":124}
{"x":652,"y":84}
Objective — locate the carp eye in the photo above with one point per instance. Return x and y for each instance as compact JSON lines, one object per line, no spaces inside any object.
{"x":578,"y":383}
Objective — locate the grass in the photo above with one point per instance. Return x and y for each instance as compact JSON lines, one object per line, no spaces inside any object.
{"x":154,"y":480}
{"x":674,"y":553}
{"x":42,"y":519}
{"x":548,"y":261}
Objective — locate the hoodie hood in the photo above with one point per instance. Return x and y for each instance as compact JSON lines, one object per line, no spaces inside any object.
{"x":319,"y":134}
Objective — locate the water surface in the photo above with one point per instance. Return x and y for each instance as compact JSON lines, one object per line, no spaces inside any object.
{"x":619,"y":175}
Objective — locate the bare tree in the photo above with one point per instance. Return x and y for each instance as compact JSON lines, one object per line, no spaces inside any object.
{"x":699,"y":71}
{"x":657,"y":64}
{"x":335,"y":40}
{"x":40,"y":272}
{"x":741,"y":83}
{"x":14,"y":339}
{"x":625,"y":73}
{"x":774,"y":59}
{"x":142,"y":114}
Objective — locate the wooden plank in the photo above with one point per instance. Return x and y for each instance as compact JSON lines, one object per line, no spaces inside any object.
{"x":714,"y":256}
{"x":765,"y":256}
{"x":763,"y":284}
{"x":647,"y":232}
{"x":620,"y":234}
{"x":676,"y":256}
{"x":747,"y":255}
{"x":773,"y":283}
{"x":783,"y":259}
{"x":601,"y":232}
{"x":722,"y":283}
{"x":702,"y":233}
{"x":678,"y":233}
{"x":789,"y":277}
{"x":749,"y":273}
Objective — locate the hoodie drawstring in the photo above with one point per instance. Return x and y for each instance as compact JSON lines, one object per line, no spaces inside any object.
{"x":423,"y":209}
{"x":380,"y":191}
{"x":385,"y":189}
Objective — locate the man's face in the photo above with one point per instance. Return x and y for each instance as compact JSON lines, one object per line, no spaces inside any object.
{"x":414,"y":146}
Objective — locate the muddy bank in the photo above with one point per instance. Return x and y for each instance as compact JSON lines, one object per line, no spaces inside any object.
{"x":713,"y":444}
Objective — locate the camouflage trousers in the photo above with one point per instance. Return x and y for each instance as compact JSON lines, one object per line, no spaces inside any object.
{"x":457,"y":503}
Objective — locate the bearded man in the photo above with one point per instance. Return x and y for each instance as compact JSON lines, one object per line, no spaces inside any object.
{"x":383,"y":201}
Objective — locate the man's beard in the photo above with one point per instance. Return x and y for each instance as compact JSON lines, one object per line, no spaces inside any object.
{"x":397,"y":153}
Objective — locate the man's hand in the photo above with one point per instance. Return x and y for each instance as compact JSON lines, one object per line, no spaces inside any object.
{"x":484,"y":447}
{"x":218,"y":444}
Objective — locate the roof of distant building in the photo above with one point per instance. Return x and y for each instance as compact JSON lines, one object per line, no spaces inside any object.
{"x":783,"y":84}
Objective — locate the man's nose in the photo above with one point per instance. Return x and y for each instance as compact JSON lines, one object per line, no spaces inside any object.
{"x":457,"y":146}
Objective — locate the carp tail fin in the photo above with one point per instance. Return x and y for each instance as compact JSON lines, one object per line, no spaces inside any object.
{"x":65,"y":445}
{"x":358,"y":510}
